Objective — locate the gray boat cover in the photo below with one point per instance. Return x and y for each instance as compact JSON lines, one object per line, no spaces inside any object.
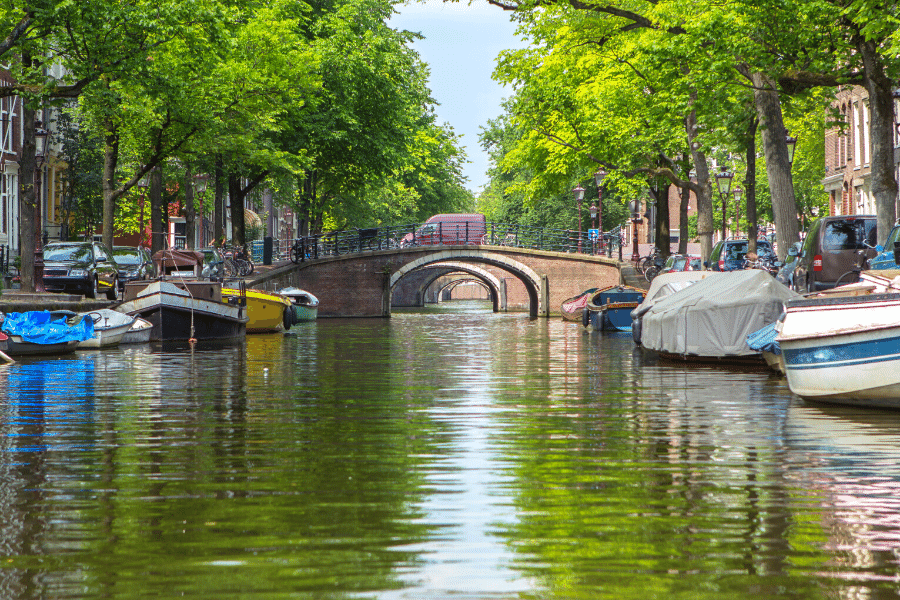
{"x":713,"y":317}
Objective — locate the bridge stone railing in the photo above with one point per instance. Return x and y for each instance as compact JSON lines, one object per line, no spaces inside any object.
{"x":356,"y":240}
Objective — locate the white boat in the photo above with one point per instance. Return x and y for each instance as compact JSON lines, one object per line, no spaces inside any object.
{"x":109,"y":328}
{"x":844,"y":350}
{"x":182,"y":309}
{"x":139,"y":332}
{"x":711,"y":319}
{"x":306,"y":306}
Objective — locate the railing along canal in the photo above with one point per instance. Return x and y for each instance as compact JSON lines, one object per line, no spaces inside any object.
{"x":349,"y":241}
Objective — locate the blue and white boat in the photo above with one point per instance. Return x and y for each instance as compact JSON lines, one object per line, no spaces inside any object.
{"x":843,"y":350}
{"x":609,"y":309}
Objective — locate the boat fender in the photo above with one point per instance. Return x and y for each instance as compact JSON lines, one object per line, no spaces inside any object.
{"x":585,"y":317}
{"x":287,"y":317}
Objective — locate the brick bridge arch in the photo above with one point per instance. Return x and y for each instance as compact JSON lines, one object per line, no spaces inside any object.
{"x":496,"y":287}
{"x":534,"y":283}
{"x":361,"y":284}
{"x":452,"y":285}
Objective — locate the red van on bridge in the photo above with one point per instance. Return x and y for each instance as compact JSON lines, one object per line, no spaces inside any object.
{"x":450,"y":229}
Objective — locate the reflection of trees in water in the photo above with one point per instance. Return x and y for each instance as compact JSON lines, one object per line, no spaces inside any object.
{"x":656,"y":477}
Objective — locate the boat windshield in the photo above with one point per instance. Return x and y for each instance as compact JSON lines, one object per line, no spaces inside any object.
{"x":78,"y":253}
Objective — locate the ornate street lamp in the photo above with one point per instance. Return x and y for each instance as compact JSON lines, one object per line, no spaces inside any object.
{"x":143,"y":183}
{"x":737,"y":193}
{"x":599,"y":176}
{"x":578,"y":192}
{"x":40,"y":145}
{"x":723,"y":181}
{"x":635,"y":207}
{"x":791,"y":143}
{"x":200,"y":183}
{"x":593,"y":210}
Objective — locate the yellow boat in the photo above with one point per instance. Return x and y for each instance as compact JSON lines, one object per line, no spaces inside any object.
{"x":267,"y":312}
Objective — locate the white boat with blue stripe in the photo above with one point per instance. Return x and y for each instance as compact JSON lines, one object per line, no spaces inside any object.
{"x":843,"y":350}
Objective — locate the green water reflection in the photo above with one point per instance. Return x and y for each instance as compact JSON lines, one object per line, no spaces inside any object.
{"x":445,"y":453}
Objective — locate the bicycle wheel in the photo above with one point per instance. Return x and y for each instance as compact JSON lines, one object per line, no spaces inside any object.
{"x":243,"y":267}
{"x":250,"y":266}
{"x":486,"y":239}
{"x":651,"y":272}
{"x":229,"y":269}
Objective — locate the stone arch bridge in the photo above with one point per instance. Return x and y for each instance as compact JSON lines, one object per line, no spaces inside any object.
{"x":367,"y":284}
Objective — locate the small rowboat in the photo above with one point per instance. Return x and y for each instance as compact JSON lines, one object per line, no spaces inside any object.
{"x":609,"y":309}
{"x":573,"y":308}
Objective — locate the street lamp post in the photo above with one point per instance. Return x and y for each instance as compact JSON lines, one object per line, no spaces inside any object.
{"x":578,"y":192}
{"x":593,"y":211}
{"x":599,"y":176}
{"x":40,"y":152}
{"x":635,"y":207}
{"x":723,"y":181}
{"x":737,"y":193}
{"x":200,"y":182}
{"x":143,"y":184}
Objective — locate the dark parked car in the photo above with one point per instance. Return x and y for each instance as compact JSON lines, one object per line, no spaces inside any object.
{"x":84,"y":267}
{"x":831,"y":249}
{"x":728,"y":255}
{"x":135,"y":264}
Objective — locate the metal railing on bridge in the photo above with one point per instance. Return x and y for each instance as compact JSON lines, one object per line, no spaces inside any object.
{"x":349,"y":241}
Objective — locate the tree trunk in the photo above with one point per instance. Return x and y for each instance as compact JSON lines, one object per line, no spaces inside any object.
{"x":190,"y":211}
{"x":778,"y":169}
{"x":881,"y":134}
{"x":236,"y":197}
{"x":683,"y":220}
{"x":219,"y":217}
{"x":27,"y":197}
{"x":750,"y":187}
{"x":704,"y":197}
{"x":157,"y":212}
{"x":110,"y":163}
{"x":663,"y":246}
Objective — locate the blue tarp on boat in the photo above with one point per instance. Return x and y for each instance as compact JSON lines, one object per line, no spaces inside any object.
{"x":45,"y":327}
{"x":763,"y":340}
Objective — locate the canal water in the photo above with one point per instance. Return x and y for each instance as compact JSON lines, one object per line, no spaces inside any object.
{"x":449,"y":453}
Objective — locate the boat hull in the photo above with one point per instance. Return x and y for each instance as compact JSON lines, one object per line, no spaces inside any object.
{"x":610,"y":309}
{"x":14,"y":345}
{"x":139,"y":333}
{"x":176,"y":317}
{"x":305,"y":313}
{"x":844,"y":350}
{"x":109,"y":329}
{"x":265,"y":312}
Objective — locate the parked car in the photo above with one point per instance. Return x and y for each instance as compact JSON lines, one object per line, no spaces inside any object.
{"x":831,"y":248}
{"x":84,"y":267}
{"x":682,"y":262}
{"x":135,"y":264}
{"x":728,"y":255}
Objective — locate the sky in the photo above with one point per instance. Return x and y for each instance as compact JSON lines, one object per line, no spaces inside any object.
{"x":460,"y":46}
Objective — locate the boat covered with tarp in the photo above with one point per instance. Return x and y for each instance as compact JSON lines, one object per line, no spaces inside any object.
{"x":766,"y":343}
{"x":43,"y":332}
{"x":664,"y":285}
{"x":712,"y":318}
